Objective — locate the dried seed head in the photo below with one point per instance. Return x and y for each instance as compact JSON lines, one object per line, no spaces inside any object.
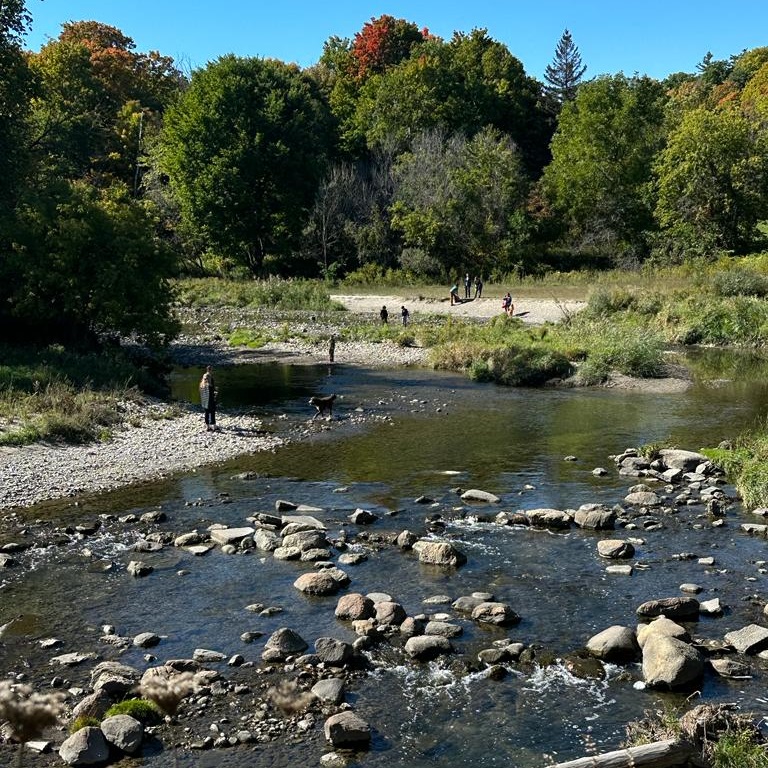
{"x":168,"y":693}
{"x":27,"y":712}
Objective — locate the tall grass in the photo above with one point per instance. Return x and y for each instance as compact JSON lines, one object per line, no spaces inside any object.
{"x":56,"y":395}
{"x":272,"y":293}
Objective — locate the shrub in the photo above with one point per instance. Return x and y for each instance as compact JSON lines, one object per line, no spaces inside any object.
{"x":739,"y":750}
{"x":146,"y":712}
{"x":740,"y":281}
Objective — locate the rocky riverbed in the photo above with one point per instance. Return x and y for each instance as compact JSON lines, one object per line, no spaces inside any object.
{"x":298,"y":685}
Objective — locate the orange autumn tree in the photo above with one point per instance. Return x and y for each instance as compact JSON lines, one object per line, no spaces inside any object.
{"x":383,"y":43}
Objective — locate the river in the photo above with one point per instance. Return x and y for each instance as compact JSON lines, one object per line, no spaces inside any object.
{"x":427,"y":434}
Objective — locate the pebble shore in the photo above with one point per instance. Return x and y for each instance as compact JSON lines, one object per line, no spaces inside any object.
{"x":155,"y":449}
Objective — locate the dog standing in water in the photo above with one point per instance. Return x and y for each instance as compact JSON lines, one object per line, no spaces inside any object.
{"x":322,"y":404}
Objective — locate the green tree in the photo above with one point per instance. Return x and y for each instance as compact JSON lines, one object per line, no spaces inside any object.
{"x":565,"y":72}
{"x":461,"y":201}
{"x":598,"y":180}
{"x":712,"y":183}
{"x":463,"y":85}
{"x":88,"y":263}
{"x":98,"y":99}
{"x":244,"y":149}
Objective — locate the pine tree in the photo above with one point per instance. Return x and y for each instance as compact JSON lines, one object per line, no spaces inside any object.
{"x":565,"y":72}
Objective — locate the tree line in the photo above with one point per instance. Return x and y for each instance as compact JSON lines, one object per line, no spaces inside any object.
{"x":396,"y":150}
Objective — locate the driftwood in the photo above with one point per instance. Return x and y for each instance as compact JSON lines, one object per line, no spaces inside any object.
{"x":660,"y":754}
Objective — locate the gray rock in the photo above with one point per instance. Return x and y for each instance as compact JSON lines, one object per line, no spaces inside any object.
{"x":406,"y":539}
{"x":317,"y":583}
{"x":439,"y":553}
{"x":286,"y":642}
{"x":230,"y":535}
{"x":443,"y":629}
{"x":287,"y":553}
{"x":616,"y":644}
{"x":189,"y":539}
{"x":329,"y":691}
{"x":353,"y":606}
{"x":619,"y":570}
{"x":265,"y":540}
{"x":661,"y":626}
{"x":548,"y":518}
{"x":335,"y":653}
{"x":670,"y":663}
{"x":730,"y":668}
{"x":474,"y":494}
{"x":93,"y":705}
{"x":114,"y":685}
{"x":72,"y":659}
{"x":596,"y":517}
{"x":363,"y":517}
{"x":146,"y":640}
{"x":316,"y":555}
{"x":711,"y":607}
{"x":687,"y":461}
{"x":680,"y":608}
{"x":85,"y":747}
{"x":615,"y":549}
{"x":347,"y":730}
{"x":205,"y":656}
{"x":124,"y":732}
{"x":643,"y":499}
{"x":498,"y":614}
{"x":750,"y":639}
{"x":691,"y":589}
{"x":379,"y":597}
{"x":427,"y":647}
{"x":304,"y":540}
{"x":292,"y":523}
{"x":467,"y":603}
{"x":139,"y":569}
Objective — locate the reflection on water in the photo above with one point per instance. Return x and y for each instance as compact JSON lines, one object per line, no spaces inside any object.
{"x":434,"y":433}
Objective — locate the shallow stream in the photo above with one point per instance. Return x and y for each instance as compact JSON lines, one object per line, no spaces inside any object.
{"x":428,"y":434}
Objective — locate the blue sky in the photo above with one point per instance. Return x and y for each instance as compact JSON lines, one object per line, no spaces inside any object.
{"x":654,"y":37}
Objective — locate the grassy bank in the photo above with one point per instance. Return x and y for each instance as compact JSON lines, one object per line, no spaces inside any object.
{"x":745,"y":461}
{"x":56,"y":395}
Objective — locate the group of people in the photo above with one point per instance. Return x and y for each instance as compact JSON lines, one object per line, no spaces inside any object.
{"x":468,"y":283}
{"x":404,"y":313}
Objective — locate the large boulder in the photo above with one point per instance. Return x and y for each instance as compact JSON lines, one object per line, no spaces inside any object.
{"x":317,"y":583}
{"x":439,"y":553}
{"x":670,"y":663}
{"x":230,"y":535}
{"x":329,"y":690}
{"x":548,"y":518}
{"x":427,"y":647}
{"x":643,"y":499}
{"x":749,"y":639}
{"x":596,"y":517}
{"x":661,"y":626}
{"x":687,"y":461}
{"x":680,"y":608}
{"x":124,"y":732}
{"x":354,"y":606}
{"x":615,"y":549}
{"x":347,"y":730}
{"x":93,"y":705}
{"x":85,"y":747}
{"x":475,"y":494}
{"x":283,"y":643}
{"x":498,"y":614}
{"x":616,"y":644}
{"x":390,"y":612}
{"x":304,"y":540}
{"x":335,"y":653}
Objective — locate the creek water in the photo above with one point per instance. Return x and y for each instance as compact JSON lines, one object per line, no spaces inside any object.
{"x":427,"y":434}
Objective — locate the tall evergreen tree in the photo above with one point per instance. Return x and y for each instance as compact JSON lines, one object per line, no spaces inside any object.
{"x":565,"y":72}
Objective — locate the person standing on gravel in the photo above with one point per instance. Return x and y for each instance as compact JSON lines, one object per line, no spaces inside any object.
{"x":467,"y":286}
{"x":478,"y":287}
{"x":406,"y":314}
{"x":208,"y":399}
{"x":384,"y":315}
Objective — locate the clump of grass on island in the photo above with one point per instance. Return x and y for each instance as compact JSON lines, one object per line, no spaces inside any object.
{"x":145,"y":711}
{"x":271,"y":293}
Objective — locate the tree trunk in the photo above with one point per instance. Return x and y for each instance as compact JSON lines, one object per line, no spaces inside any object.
{"x":659,"y":754}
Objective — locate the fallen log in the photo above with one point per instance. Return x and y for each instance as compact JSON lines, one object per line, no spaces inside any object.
{"x":659,"y":754}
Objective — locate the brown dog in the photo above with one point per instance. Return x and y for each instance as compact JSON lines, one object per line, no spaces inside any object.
{"x":322,"y":404}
